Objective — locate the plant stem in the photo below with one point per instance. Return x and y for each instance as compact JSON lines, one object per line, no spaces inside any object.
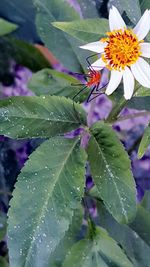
{"x":91,"y":225}
{"x":132,"y":116}
{"x":118,"y":107}
{"x":116,"y":110}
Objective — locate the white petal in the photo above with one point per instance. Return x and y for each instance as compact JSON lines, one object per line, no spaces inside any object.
{"x":141,"y":72}
{"x":115,"y":79}
{"x":98,"y":64}
{"x":116,"y":22}
{"x":97,"y":47}
{"x":145,"y":48}
{"x":143,"y":26}
{"x":128,"y":81}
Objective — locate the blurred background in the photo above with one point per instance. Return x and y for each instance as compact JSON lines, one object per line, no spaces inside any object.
{"x":22,"y":53}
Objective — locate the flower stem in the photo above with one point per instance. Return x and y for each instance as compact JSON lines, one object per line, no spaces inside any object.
{"x":118,"y":107}
{"x":116,"y":110}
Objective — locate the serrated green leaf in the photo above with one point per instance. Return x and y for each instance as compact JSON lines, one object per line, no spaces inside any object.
{"x":87,"y":30}
{"x":111,"y":171}
{"x":69,"y":239}
{"x":133,"y":245}
{"x":6,"y":27}
{"x":132,"y":8}
{"x":48,"y":191}
{"x":45,"y":116}
{"x":52,"y":82}
{"x":145,"y":142}
{"x":101,"y":251}
{"x":140,"y":103}
{"x":62,"y":46}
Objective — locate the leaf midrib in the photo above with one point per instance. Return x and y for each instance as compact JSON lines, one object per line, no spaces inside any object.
{"x":78,"y":30}
{"x":44,"y":119}
{"x":67,"y":40}
{"x":46,"y":202}
{"x":113,"y":180}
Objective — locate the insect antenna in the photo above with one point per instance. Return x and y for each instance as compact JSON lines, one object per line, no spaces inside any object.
{"x":90,"y":94}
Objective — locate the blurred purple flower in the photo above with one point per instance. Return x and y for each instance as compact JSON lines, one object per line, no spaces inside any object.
{"x":76,"y":6}
{"x":19,"y":86}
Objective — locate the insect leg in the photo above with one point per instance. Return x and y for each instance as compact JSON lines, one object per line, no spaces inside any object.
{"x":90,"y":94}
{"x":96,"y":95}
{"x":79,"y":93}
{"x":87,"y":59}
{"x":98,"y":89}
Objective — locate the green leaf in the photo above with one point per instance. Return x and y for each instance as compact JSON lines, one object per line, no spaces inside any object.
{"x":133,"y":245}
{"x":111,"y":171}
{"x":23,"y":53}
{"x":69,"y":239}
{"x":87,"y":30}
{"x":6,"y":27}
{"x":45,"y":116}
{"x":21,"y":13}
{"x":132,"y":8}
{"x":141,"y":224}
{"x":88,"y":8}
{"x":145,"y":142}
{"x":146,"y":200}
{"x":48,"y":191}
{"x":52,"y":82}
{"x":3,"y":262}
{"x":62,"y":46}
{"x":28,"y":55}
{"x":140,"y":103}
{"x":142,"y":91}
{"x":144,"y":4}
{"x":101,"y":251}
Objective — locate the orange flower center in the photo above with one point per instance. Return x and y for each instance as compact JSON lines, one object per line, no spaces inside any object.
{"x":123,"y":49}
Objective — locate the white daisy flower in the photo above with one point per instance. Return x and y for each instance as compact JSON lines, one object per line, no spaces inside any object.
{"x":122,"y":53}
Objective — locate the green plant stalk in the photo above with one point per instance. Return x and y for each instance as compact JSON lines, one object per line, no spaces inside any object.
{"x":116,"y":110}
{"x":118,"y":107}
{"x":91,"y":225}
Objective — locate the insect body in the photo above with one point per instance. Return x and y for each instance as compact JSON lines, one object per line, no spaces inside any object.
{"x":92,"y":81}
{"x":94,"y":78}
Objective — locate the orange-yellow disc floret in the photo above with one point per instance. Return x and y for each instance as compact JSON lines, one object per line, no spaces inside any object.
{"x":122,"y":49}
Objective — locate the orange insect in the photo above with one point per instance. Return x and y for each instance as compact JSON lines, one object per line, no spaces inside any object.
{"x":93,"y":79}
